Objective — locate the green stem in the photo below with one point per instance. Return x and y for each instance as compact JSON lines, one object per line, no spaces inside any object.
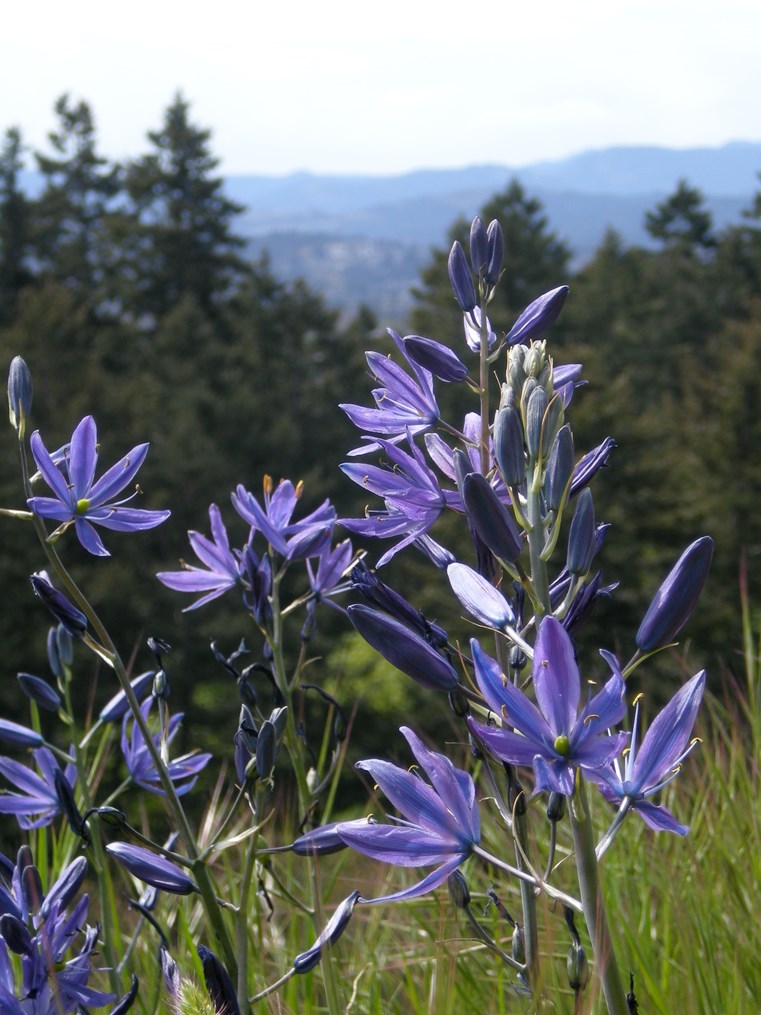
{"x":528,"y":897}
{"x":535,"y":533}
{"x":241,"y":925}
{"x":592,"y":902}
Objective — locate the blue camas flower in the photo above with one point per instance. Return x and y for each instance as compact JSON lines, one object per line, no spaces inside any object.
{"x":183,"y":771}
{"x":38,"y":803}
{"x":79,"y":499}
{"x":439,"y":825}
{"x":222,"y":566}
{"x":554,"y":738}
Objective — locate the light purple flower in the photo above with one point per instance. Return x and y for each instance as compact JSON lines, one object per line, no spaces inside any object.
{"x":330,"y":577}
{"x":222,"y":567}
{"x":183,"y":771}
{"x":294,"y":540}
{"x":555,"y":738}
{"x":439,"y":824}
{"x":38,"y":803}
{"x":79,"y":499}
{"x":651,"y":765}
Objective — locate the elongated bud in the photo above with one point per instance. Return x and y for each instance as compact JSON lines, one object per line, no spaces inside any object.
{"x":152,"y":868}
{"x":460,"y":278}
{"x":118,"y":706}
{"x":559,"y":468}
{"x":64,"y":612}
{"x":15,"y":935}
{"x":479,"y":247}
{"x":40,"y":692}
{"x":126,"y":1001}
{"x":459,"y":892}
{"x":66,"y":887}
{"x":590,"y":464}
{"x":537,"y":316}
{"x":677,"y":597}
{"x":508,"y":446}
{"x":69,"y":807}
{"x":60,"y":650}
{"x":581,"y":537}
{"x":518,"y":944}
{"x":218,"y":983}
{"x":334,"y":928}
{"x":479,"y":597}
{"x":19,"y":395}
{"x":577,"y":967}
{"x":490,"y":518}
{"x":439,"y":359}
{"x":18,"y":735}
{"x":535,"y":410}
{"x":555,"y":806}
{"x":266,"y":749}
{"x":495,"y":253}
{"x":379,"y":594}
{"x":325,"y":840}
{"x":403,"y":648}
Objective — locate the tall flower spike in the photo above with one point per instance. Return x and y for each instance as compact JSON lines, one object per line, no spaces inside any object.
{"x":441,"y":823}
{"x":83,"y":501}
{"x":555,"y":738}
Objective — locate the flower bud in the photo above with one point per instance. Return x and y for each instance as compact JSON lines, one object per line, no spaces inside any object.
{"x":590,"y":464}
{"x":559,"y":468}
{"x":69,"y":807}
{"x":118,"y":706}
{"x":537,"y":316}
{"x":487,"y":514}
{"x":518,"y":944}
{"x":495,"y":252}
{"x":459,"y":892}
{"x":403,"y":648}
{"x":334,"y":928}
{"x":479,"y":246}
{"x":535,"y":410}
{"x":460,"y":278}
{"x":15,"y":935}
{"x":64,"y":612}
{"x":677,"y":597}
{"x":152,"y":868}
{"x":66,"y":887}
{"x":19,"y":395}
{"x":18,"y":735}
{"x":218,"y":983}
{"x":508,"y":446}
{"x":577,"y":967}
{"x":581,"y":536}
{"x":266,"y":749}
{"x":440,"y":360}
{"x":40,"y":692}
{"x":555,"y":806}
{"x":479,"y":597}
{"x":126,"y":1001}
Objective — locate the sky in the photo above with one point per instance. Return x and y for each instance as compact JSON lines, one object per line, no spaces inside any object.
{"x":348,"y":87}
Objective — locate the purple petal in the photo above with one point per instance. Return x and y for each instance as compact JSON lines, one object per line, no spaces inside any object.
{"x":500,"y":693}
{"x":669,"y":734}
{"x":556,"y":677}
{"x":553,"y":776}
{"x":412,"y":797}
{"x":659,"y":818}
{"x":400,"y":845}
{"x":49,"y":471}
{"x":123,"y":519}
{"x":431,"y":881}
{"x":89,"y":538}
{"x":479,"y":597}
{"x":114,"y":480}
{"x":83,"y":457}
{"x":457,"y":794}
{"x":48,"y":507}
{"x":505,"y":745}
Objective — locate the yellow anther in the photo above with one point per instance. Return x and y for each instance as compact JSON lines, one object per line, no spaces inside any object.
{"x":638,"y":697}
{"x":590,"y":717}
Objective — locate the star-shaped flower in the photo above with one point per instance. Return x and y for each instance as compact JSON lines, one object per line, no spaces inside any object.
{"x":555,"y":738}
{"x":79,"y":499}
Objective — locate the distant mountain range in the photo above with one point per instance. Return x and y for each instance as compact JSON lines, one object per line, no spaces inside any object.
{"x":364,"y":238}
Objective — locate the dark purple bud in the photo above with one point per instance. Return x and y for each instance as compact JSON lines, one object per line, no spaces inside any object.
{"x":118,"y":706}
{"x":535,"y":410}
{"x":383,"y":596}
{"x":559,"y":468}
{"x":169,"y":973}
{"x":324,"y":840}
{"x":495,"y":253}
{"x":590,"y":464}
{"x":586,"y":600}
{"x":31,"y":885}
{"x":403,"y":648}
{"x":19,"y":394}
{"x":459,"y":892}
{"x":60,"y":650}
{"x":266,"y":749}
{"x":537,"y":316}
{"x":15,"y":934}
{"x":440,"y":360}
{"x":479,"y":246}
{"x":218,"y":983}
{"x":581,"y":537}
{"x":334,"y":928}
{"x":577,"y":967}
{"x":461,"y":278}
{"x":64,"y":612}
{"x":125,"y":1003}
{"x":66,"y":887}
{"x":492,"y":521}
{"x":40,"y":692}
{"x":19,"y":736}
{"x":508,"y":446}
{"x":111,"y":816}
{"x":279,"y":717}
{"x":69,"y":807}
{"x":677,"y":597}
{"x":152,"y":868}
{"x":555,"y":807}
{"x":462,"y":467}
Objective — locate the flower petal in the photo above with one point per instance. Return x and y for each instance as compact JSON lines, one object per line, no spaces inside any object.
{"x":556,"y":677}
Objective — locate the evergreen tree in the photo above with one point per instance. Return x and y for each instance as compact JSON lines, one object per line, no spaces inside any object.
{"x":682,"y":220}
{"x":180,"y":230}
{"x":15,"y":270}
{"x":71,"y":213}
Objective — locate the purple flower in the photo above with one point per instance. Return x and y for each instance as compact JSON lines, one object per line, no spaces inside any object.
{"x":332,"y":567}
{"x":537,"y":316}
{"x":39,"y":928}
{"x":152,"y":868}
{"x":439,"y":359}
{"x":38,"y":803}
{"x":480,"y":598}
{"x":221,"y":571}
{"x":414,"y":499}
{"x":555,"y":738}
{"x":183,"y":771}
{"x":404,"y":404}
{"x":293,"y":540}
{"x":82,"y":501}
{"x":72,"y":619}
{"x":439,"y":823}
{"x":651,"y":765}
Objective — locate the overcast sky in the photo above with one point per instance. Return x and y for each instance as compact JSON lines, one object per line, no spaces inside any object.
{"x":352,"y":87}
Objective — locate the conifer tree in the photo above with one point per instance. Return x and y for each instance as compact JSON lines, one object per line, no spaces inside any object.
{"x":15,"y":270}
{"x":683,"y":220}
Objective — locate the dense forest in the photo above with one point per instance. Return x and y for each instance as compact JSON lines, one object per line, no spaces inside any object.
{"x":126,"y":290}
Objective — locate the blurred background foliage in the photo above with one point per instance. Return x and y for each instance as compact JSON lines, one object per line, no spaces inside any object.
{"x":126,"y":290}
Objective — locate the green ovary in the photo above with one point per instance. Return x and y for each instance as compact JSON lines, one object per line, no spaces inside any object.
{"x":562,"y":745}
